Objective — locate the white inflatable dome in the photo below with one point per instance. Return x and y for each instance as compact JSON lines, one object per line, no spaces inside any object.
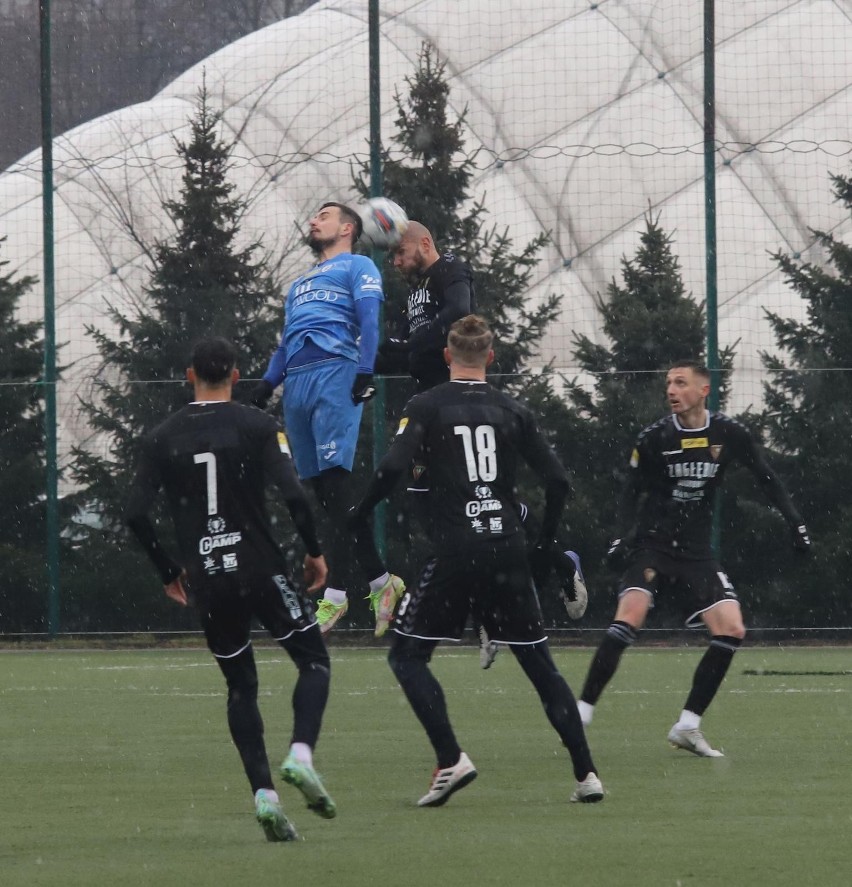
{"x":583,"y":115}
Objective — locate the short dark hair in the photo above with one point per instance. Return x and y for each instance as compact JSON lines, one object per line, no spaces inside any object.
{"x":348,"y":215}
{"x":689,"y":363}
{"x":213,"y":359}
{"x":470,"y":340}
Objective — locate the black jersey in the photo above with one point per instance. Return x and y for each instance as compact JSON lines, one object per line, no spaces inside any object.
{"x":470,"y":437}
{"x":213,"y":460}
{"x":441,"y":296}
{"x":675,"y":473}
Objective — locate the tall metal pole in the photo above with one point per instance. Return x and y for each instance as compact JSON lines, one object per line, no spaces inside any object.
{"x":379,"y":401}
{"x":710,"y":230}
{"x":50,"y":448}
{"x":710,"y":200}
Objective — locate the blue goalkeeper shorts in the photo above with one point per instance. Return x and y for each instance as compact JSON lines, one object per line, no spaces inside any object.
{"x":321,"y":421}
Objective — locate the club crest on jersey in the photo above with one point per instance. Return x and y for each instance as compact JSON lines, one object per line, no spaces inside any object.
{"x":417,"y":471}
{"x":216,"y":525}
{"x":694,"y":443}
{"x":716,"y":451}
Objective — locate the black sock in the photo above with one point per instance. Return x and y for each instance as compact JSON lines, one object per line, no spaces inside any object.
{"x":409,"y":661}
{"x":711,"y":672}
{"x":309,"y":700}
{"x":310,"y":695}
{"x":244,"y":720}
{"x":619,"y":636}
{"x":559,"y":703}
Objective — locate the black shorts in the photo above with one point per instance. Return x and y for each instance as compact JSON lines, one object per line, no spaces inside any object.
{"x":228,"y":605}
{"x":705,"y":582}
{"x":491,"y":582}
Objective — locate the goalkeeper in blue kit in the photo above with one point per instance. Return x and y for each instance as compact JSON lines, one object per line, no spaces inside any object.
{"x":325,"y":360}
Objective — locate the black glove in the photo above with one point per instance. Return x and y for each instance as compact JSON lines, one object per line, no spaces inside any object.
{"x":801,"y":539}
{"x":363,"y":388}
{"x":260,"y":394}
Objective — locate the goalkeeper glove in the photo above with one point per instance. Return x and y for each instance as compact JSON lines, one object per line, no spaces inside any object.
{"x":801,"y":539}
{"x":363,"y":388}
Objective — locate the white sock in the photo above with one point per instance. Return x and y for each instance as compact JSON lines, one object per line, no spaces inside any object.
{"x":335,"y":595}
{"x":301,"y":751}
{"x":376,"y":584}
{"x":270,"y":793}
{"x":688,"y":721}
{"x":586,"y":712}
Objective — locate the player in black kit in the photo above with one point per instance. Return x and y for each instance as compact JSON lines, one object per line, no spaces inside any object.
{"x":212,"y":458}
{"x":473,"y":437}
{"x":441,"y":292}
{"x":677,"y":466}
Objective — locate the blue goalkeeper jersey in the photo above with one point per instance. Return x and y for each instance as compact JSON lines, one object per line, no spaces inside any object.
{"x":321,"y":306}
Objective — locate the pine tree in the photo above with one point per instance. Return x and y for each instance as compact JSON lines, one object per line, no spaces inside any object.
{"x":202,"y":283}
{"x":651,"y":322}
{"x":22,"y":467}
{"x":808,"y":421}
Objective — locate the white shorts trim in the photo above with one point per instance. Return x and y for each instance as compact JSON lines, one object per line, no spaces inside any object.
{"x":694,"y":621}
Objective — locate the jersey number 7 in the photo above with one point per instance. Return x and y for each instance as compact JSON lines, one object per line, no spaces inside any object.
{"x":209,"y":459}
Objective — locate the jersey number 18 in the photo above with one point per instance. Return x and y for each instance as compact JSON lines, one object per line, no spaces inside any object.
{"x":480,"y":451}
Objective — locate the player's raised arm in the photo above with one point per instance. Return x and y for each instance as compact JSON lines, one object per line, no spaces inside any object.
{"x":751,"y":455}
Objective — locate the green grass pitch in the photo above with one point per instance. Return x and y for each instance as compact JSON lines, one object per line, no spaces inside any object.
{"x":118,"y":770}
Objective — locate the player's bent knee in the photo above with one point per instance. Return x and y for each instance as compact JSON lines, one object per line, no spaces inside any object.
{"x":306,"y":660}
{"x":633,"y":607}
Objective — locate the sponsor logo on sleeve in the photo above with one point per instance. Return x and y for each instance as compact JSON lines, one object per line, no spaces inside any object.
{"x":283,"y":443}
{"x":403,"y":424}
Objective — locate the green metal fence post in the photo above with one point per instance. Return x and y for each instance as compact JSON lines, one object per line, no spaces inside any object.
{"x":50,"y":449}
{"x":379,"y":401}
{"x":710,"y":226}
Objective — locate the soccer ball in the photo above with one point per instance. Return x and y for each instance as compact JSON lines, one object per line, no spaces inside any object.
{"x":384,"y":222}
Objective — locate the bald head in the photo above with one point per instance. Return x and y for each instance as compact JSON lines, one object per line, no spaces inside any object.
{"x":416,"y":250}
